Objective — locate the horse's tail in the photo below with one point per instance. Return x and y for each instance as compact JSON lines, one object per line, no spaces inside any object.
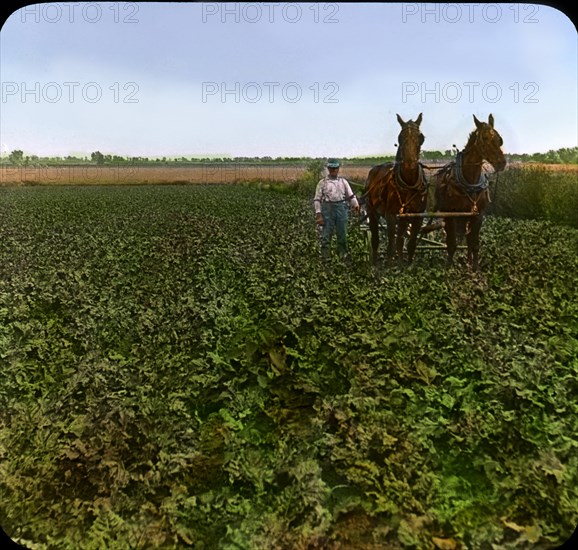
{"x":437,"y":185}
{"x":433,"y":189}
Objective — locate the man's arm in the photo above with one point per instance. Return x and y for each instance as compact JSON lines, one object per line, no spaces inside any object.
{"x":350,"y":196}
{"x":317,"y":198}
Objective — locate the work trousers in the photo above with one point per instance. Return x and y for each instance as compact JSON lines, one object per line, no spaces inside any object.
{"x":335,"y":216}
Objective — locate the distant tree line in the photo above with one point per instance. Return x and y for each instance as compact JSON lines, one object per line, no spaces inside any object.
{"x":565,"y":155}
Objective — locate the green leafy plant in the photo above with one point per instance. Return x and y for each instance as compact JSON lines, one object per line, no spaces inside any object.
{"x":179,"y":371}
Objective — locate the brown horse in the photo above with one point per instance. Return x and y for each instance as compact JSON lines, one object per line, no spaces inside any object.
{"x":395,"y":188}
{"x":462,"y":186}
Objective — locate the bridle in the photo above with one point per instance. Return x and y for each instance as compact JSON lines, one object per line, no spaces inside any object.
{"x":399,"y":181}
{"x":419,"y":187}
{"x":481,"y":144}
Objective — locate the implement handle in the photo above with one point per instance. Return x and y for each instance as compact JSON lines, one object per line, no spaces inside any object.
{"x":439,"y":215}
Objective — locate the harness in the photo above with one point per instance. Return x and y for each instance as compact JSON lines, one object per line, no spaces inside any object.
{"x":411,"y":189}
{"x":470,"y":190}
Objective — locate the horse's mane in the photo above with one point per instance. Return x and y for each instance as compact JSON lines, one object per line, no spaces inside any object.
{"x":471,"y":138}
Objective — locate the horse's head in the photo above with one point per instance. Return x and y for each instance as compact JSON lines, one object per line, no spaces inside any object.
{"x":410,"y":140}
{"x":489,"y":143}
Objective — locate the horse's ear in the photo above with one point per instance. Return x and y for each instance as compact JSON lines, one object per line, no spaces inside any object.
{"x":400,"y":120}
{"x":478,"y":123}
{"x":418,"y":119}
{"x":491,"y":120}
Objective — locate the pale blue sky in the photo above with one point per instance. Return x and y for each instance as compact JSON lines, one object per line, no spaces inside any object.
{"x":283,"y":79}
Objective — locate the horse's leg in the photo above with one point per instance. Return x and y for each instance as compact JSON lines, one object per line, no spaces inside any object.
{"x":451,"y":244}
{"x":473,"y":239}
{"x":412,"y":243}
{"x":401,"y":234}
{"x":391,"y":223}
{"x":373,"y":218}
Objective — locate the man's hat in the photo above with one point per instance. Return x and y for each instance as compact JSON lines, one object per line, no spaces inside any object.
{"x":333,"y":163}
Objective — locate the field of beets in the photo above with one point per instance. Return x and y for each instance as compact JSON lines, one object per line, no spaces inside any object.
{"x":180,"y":371}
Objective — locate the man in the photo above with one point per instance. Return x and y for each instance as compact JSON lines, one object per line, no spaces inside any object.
{"x":332,"y":195}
